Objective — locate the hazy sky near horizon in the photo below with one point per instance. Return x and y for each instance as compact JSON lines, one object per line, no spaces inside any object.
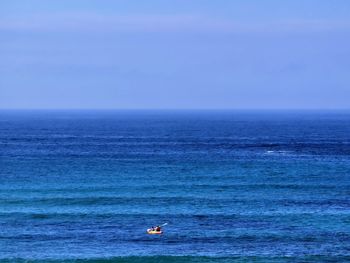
{"x":178,"y":54}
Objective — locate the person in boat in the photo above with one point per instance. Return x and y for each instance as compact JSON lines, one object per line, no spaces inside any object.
{"x":155,"y":229}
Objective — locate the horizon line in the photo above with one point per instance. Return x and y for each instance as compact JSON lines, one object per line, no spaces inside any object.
{"x":175,"y":109}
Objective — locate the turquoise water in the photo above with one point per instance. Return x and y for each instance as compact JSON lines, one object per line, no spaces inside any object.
{"x":83,"y":186}
{"x":195,"y":259}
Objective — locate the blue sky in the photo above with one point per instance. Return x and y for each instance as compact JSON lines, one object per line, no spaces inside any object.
{"x":178,"y":54}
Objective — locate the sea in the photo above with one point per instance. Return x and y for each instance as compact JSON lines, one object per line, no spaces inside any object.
{"x":232,"y":186}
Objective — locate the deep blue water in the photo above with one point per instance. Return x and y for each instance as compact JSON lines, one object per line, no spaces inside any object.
{"x":233,"y":186}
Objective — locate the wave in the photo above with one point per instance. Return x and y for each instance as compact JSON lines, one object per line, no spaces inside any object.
{"x":156,"y":201}
{"x":187,"y":259}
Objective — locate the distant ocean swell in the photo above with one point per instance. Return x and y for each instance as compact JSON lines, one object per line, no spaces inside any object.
{"x":188,"y":259}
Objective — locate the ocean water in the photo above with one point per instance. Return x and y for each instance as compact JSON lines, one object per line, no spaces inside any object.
{"x":233,"y":186}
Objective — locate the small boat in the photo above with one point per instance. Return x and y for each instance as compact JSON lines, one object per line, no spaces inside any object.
{"x":154,"y":232}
